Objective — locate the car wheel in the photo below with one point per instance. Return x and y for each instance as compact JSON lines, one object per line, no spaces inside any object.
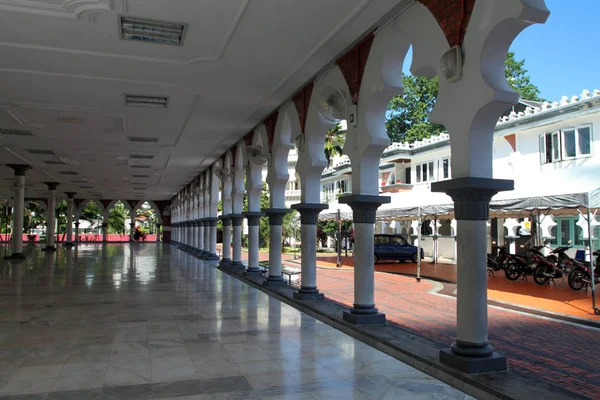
{"x":376,"y":258}
{"x":415,"y":258}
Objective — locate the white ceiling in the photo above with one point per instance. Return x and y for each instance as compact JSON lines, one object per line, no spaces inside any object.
{"x":240,"y":59}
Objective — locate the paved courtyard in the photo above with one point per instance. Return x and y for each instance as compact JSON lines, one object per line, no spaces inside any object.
{"x":147,"y":321}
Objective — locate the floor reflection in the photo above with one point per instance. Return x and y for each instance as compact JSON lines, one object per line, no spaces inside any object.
{"x":125,"y":321}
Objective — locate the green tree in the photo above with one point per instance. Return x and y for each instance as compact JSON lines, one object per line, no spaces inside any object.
{"x":334,"y":143}
{"x":408,"y":115}
{"x":290,"y":227}
{"x":116,"y":218}
{"x":91,"y":213}
{"x":519,"y":79}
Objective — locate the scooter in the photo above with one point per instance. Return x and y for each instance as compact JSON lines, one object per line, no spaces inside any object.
{"x":548,"y":268}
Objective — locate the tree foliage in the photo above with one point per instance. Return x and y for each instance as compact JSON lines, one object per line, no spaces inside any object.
{"x":334,"y":143}
{"x":408,"y":114}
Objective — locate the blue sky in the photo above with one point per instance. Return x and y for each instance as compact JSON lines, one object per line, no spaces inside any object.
{"x":562,"y":55}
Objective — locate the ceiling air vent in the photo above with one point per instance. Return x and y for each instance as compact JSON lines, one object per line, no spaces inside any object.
{"x":67,"y":173}
{"x":53,"y":162}
{"x":141,"y":156}
{"x":142,"y":139}
{"x":140,"y":176}
{"x":14,"y":132}
{"x":133,"y":100}
{"x":153,"y":31}
{"x":141,"y":166}
{"x":41,"y":151}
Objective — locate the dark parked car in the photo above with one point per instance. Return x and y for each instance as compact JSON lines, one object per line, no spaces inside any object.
{"x":394,"y":247}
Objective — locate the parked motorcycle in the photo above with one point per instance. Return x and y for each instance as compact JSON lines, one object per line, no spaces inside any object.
{"x":580,"y":276}
{"x":496,"y":262}
{"x":517,"y":266}
{"x":548,"y":268}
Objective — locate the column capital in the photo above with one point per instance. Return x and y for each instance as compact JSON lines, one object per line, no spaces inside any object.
{"x":226,"y":219}
{"x":51,"y":185}
{"x":309,"y":212}
{"x":236,"y":219}
{"x":19,"y":168}
{"x":253,"y":217}
{"x":472,"y":195}
{"x":212,"y":221}
{"x":276,"y":215}
{"x":70,"y":195}
{"x":364,"y":207}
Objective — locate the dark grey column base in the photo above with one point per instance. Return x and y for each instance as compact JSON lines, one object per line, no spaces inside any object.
{"x":253,"y":272}
{"x":237,"y":266}
{"x":275,"y":281}
{"x":364,"y":319}
{"x":472,"y":365}
{"x":212,"y":257}
{"x":309,"y":296}
{"x":49,"y":248}
{"x":225,"y":263}
{"x":15,"y":256}
{"x":69,"y":244}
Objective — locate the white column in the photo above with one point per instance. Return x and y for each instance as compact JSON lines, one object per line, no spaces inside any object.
{"x":226,"y":256}
{"x":236,"y":257}
{"x":70,"y":204}
{"x":253,"y":243}
{"x":201,"y":247}
{"x":132,"y":229}
{"x":18,"y":211}
{"x":472,"y":318}
{"x":309,"y":213}
{"x":212,"y":239}
{"x":364,"y":210}
{"x":206,"y":225}
{"x":50,"y":216}
{"x":276,"y":216}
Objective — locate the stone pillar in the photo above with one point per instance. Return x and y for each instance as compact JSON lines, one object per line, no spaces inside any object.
{"x":226,"y":257}
{"x":201,"y":249}
{"x":76,"y":240}
{"x":275,"y":227}
{"x":364,"y":209}
{"x":236,"y":257}
{"x":206,"y":224}
{"x":51,"y":216}
{"x":253,"y":218}
{"x":132,"y":229}
{"x":105,"y":232}
{"x":309,"y":214}
{"x":70,"y":204}
{"x":19,"y":210}
{"x":190,"y":235}
{"x":195,"y":242}
{"x":471,"y":352}
{"x":212,"y":239}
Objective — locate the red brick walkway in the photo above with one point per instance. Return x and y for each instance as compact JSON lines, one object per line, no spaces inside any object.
{"x":558,"y":353}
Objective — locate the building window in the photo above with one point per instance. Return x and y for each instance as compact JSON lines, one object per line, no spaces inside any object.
{"x":342,"y":186}
{"x":567,"y":233}
{"x":328,"y":188}
{"x":567,"y":144}
{"x":445,"y":168}
{"x":425,"y":172}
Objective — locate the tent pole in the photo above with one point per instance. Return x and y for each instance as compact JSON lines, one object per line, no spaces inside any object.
{"x":592,"y":276}
{"x":419,"y":247}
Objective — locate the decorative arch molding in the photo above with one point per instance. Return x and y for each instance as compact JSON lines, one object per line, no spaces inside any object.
{"x":278,"y":173}
{"x":70,"y":9}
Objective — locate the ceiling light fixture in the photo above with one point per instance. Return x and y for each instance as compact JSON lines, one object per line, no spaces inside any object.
{"x":152,"y":31}
{"x":69,"y":120}
{"x":134,"y":100}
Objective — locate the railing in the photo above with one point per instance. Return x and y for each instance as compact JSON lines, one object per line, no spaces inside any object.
{"x":293,"y":193}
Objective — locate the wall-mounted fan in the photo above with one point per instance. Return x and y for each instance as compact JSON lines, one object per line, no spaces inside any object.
{"x":221,"y":173}
{"x":256,"y":155}
{"x":332,"y":104}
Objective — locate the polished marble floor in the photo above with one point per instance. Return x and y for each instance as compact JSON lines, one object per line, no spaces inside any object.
{"x":147,"y":321}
